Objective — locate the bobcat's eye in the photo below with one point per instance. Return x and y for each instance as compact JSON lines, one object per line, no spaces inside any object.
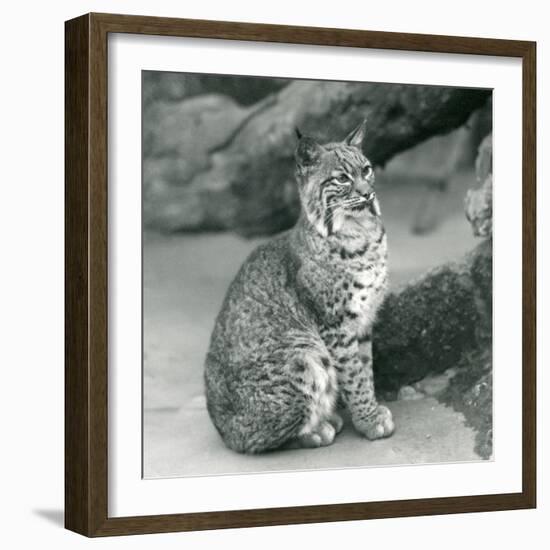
{"x":367,"y":171}
{"x":343,"y":178}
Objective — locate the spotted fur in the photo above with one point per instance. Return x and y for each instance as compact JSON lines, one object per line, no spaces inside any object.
{"x":294,"y":333}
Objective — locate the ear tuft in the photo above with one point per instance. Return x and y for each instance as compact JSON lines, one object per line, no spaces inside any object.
{"x":356,"y":137}
{"x":298,"y":133}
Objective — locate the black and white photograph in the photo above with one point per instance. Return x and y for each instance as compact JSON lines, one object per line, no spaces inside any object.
{"x":259,"y":290}
{"x":317,"y":274}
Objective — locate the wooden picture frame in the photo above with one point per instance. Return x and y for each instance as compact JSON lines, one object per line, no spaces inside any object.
{"x":86,"y":283}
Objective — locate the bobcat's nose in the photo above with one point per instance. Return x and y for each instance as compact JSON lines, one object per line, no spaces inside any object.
{"x":364,"y":188}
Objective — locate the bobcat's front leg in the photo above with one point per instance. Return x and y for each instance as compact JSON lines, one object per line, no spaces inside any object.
{"x":356,"y":384}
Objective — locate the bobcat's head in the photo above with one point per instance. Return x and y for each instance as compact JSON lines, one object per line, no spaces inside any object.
{"x":336,"y":182}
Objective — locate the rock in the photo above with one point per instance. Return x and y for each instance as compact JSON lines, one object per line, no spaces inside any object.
{"x":245,"y":154}
{"x":434,"y":384}
{"x":169,"y":86}
{"x":433,"y":323}
{"x":179,"y":144}
{"x":172,"y":86}
{"x":408,"y":393}
{"x":479,"y":202}
{"x":190,"y":128}
{"x":426,"y":327}
{"x":470,"y":392}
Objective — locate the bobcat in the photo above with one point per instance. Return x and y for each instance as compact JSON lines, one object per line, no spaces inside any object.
{"x":293,"y":336}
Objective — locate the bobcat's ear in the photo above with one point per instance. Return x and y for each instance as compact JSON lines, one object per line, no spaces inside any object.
{"x":356,"y":137}
{"x":308,"y":151}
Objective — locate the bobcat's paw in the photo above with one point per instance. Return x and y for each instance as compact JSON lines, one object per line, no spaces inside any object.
{"x":336,"y":421}
{"x":322,"y":436}
{"x":379,"y":424}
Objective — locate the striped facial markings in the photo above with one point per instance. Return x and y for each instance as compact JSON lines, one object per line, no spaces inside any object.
{"x":336,"y":187}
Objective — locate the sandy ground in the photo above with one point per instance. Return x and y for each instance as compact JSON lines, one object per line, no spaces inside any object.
{"x":185,"y":278}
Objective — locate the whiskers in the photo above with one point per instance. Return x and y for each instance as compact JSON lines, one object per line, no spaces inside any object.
{"x":355,"y":202}
{"x":338,"y":213}
{"x":347,"y":204}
